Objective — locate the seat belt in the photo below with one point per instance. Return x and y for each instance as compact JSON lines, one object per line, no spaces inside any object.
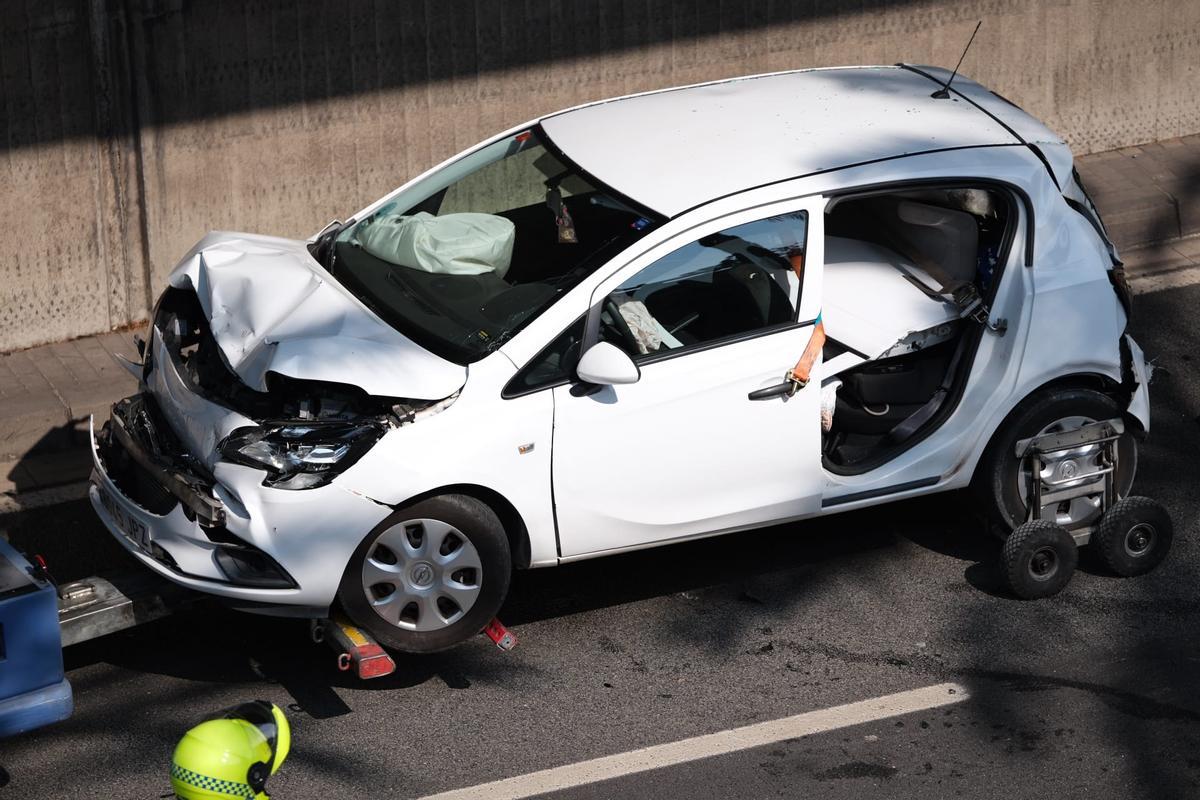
{"x":914,"y":421}
{"x":971,"y":306}
{"x":964,"y":296}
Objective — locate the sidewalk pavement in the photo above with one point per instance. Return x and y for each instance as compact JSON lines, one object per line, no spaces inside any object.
{"x":46,"y":396}
{"x":1149,"y":194}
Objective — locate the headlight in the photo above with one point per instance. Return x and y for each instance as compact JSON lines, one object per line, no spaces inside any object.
{"x":300,"y":455}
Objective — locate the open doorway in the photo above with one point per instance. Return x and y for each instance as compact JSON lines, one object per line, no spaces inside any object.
{"x":909,"y":278}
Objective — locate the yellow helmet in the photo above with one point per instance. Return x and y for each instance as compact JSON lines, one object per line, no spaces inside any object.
{"x":232,"y":754}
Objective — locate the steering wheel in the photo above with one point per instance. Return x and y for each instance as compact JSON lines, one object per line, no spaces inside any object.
{"x":621,"y":327}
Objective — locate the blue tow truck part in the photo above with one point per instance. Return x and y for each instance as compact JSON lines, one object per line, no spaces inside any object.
{"x":33,"y":690}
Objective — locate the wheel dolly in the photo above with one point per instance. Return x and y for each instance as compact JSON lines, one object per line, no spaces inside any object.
{"x":1131,"y":536}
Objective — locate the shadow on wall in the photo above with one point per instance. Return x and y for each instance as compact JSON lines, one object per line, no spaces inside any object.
{"x":108,"y":66}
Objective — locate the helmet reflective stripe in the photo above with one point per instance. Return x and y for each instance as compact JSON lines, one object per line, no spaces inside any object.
{"x":211,"y":784}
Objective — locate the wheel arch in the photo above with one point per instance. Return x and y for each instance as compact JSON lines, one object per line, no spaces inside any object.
{"x":1094,"y":381}
{"x":510,"y":518}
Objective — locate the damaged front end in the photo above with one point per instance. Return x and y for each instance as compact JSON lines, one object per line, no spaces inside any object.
{"x":142,"y":466}
{"x":305,"y":432}
{"x":171,"y":464}
{"x":261,"y":383}
{"x":150,"y":466}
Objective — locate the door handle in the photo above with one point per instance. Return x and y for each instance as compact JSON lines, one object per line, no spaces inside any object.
{"x":777,"y":390}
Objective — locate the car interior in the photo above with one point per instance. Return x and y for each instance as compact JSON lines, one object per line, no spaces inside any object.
{"x":470,"y":264}
{"x":746,"y":290}
{"x":918,"y":254}
{"x":486,"y":303}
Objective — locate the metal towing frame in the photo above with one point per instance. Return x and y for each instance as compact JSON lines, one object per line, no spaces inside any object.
{"x":1066,"y":482}
{"x":100,"y":605}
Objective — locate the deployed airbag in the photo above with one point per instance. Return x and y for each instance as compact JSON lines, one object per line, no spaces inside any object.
{"x":450,"y":244}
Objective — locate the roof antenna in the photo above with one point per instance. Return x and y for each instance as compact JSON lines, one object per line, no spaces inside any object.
{"x":944,"y":92}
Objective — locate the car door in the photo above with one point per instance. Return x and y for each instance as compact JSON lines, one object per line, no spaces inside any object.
{"x":709,"y":318}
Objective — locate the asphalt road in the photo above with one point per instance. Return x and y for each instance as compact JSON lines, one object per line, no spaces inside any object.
{"x":1093,"y":693}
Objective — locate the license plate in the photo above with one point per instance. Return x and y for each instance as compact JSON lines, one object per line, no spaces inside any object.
{"x":132,"y":529}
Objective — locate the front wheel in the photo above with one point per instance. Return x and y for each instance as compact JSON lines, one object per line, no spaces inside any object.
{"x":429,"y":576}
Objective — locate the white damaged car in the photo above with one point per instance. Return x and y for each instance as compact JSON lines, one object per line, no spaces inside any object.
{"x":572,"y":339}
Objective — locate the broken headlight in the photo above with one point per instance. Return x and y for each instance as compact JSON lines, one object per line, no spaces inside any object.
{"x":300,"y":455}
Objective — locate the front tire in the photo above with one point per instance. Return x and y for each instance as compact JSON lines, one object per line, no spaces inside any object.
{"x":430,"y":576}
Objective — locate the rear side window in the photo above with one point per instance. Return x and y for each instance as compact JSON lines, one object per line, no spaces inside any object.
{"x":739,"y":281}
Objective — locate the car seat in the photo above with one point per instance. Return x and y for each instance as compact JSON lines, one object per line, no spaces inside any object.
{"x":942,"y":241}
{"x":748,"y":299}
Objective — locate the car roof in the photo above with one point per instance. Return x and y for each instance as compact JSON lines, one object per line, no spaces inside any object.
{"x":675,"y":149}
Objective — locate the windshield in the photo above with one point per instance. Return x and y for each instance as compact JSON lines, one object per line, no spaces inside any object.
{"x":464,"y":259}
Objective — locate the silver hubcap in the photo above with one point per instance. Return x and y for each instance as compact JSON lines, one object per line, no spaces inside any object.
{"x":1064,"y":466}
{"x":422,"y":575}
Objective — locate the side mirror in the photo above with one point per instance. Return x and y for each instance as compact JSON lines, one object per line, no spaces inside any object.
{"x":605,"y":364}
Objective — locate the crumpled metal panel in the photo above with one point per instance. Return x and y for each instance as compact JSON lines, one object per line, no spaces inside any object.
{"x":1139,"y":403}
{"x":272,"y":309}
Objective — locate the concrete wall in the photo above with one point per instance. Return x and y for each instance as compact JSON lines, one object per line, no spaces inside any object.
{"x":130,"y":127}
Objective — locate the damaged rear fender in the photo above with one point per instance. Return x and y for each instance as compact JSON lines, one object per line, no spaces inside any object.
{"x":1138,"y":372}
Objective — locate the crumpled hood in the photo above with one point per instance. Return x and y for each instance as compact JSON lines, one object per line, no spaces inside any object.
{"x":272,"y":308}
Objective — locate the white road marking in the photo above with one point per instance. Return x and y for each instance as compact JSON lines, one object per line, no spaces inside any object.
{"x":713,"y":744}
{"x":1167,"y":279}
{"x":40,"y":498}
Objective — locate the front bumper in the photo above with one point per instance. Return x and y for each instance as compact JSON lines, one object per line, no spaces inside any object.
{"x":185,"y":527}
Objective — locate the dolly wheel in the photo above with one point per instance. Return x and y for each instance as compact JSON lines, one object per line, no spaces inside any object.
{"x":1039,"y":558}
{"x":1134,"y":536}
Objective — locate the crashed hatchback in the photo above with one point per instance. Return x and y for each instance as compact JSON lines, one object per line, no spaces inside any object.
{"x":574,"y":340}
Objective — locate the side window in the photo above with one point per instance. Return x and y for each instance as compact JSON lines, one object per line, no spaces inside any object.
{"x":743,"y":279}
{"x":551,"y":367}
